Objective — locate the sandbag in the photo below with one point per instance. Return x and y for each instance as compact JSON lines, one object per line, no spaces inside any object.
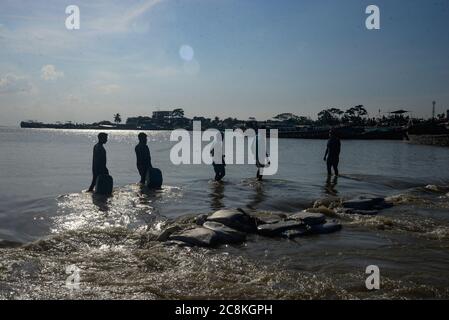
{"x":154,"y":178}
{"x":224,"y":233}
{"x":104,"y":184}
{"x":309,"y":218}
{"x":325,"y":228}
{"x":275,"y":229}
{"x":235,"y":219}
{"x":367,"y":203}
{"x":201,"y":237}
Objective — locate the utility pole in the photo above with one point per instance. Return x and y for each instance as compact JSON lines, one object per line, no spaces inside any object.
{"x":433,"y":110}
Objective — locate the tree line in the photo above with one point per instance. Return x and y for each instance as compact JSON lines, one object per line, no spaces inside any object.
{"x":330,"y":116}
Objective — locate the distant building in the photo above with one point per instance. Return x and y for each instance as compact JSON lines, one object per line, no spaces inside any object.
{"x":137,"y":120}
{"x":162,"y":115}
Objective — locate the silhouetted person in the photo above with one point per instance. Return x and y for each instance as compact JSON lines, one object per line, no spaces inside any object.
{"x":143,"y":157}
{"x":99,"y":160}
{"x":219,"y":168}
{"x":255,"y":149}
{"x":259,"y":164}
{"x":218,"y":158}
{"x":332,"y":155}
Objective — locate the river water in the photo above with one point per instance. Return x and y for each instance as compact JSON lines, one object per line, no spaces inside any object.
{"x":47,"y":222}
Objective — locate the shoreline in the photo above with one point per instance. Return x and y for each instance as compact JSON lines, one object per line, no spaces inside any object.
{"x":345,"y":133}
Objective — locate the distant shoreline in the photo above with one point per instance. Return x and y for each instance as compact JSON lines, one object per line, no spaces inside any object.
{"x":308,"y":132}
{"x":38,"y":125}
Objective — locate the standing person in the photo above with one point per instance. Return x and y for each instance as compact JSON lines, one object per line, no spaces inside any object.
{"x":255,"y":148}
{"x":259,"y":165}
{"x":99,"y":159}
{"x":143,"y":157}
{"x":218,"y":158}
{"x":332,"y":155}
{"x":219,"y":168}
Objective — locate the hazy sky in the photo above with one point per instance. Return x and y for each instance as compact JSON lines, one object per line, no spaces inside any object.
{"x":250,"y":58}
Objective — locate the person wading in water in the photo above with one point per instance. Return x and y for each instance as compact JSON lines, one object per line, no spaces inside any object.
{"x":143,"y":157}
{"x":99,"y":160}
{"x":332,"y":155}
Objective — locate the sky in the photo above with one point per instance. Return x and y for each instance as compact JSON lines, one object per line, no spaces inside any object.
{"x":226,"y":58}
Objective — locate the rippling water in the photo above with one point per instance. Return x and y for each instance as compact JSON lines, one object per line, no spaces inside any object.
{"x":43,"y":173}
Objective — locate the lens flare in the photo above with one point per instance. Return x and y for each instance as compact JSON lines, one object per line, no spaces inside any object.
{"x":186,"y":53}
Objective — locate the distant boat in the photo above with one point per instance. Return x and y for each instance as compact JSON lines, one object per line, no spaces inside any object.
{"x":32,"y":124}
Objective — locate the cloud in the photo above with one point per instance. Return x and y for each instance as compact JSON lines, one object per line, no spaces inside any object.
{"x":38,"y":39}
{"x":11,"y":83}
{"x":123,"y":20}
{"x":42,"y":33}
{"x":139,"y":10}
{"x":48,"y":72}
{"x":188,"y":68}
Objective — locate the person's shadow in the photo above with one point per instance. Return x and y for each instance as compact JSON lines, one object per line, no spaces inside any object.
{"x":101,"y":201}
{"x":259,"y":195}
{"x":217,"y":195}
{"x":330,"y":186}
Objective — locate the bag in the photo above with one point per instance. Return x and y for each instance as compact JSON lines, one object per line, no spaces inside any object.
{"x":104,"y":185}
{"x":154,"y":178}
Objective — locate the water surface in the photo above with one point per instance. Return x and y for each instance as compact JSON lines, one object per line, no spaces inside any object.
{"x":43,"y":173}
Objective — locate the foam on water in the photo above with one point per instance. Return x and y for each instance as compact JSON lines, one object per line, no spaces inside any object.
{"x":126,"y":268}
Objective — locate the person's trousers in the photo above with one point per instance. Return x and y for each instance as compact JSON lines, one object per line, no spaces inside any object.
{"x":332,"y":163}
{"x":142,"y":172}
{"x":94,"y":181}
{"x":219,"y":171}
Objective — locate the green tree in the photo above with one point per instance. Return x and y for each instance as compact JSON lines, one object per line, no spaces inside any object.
{"x":304,"y":120}
{"x":330,"y":116}
{"x":178,"y":113}
{"x":229,"y":123}
{"x":286,"y":117}
{"x":205,"y":122}
{"x":293,"y":119}
{"x":355,"y":114}
{"x":216,"y":122}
